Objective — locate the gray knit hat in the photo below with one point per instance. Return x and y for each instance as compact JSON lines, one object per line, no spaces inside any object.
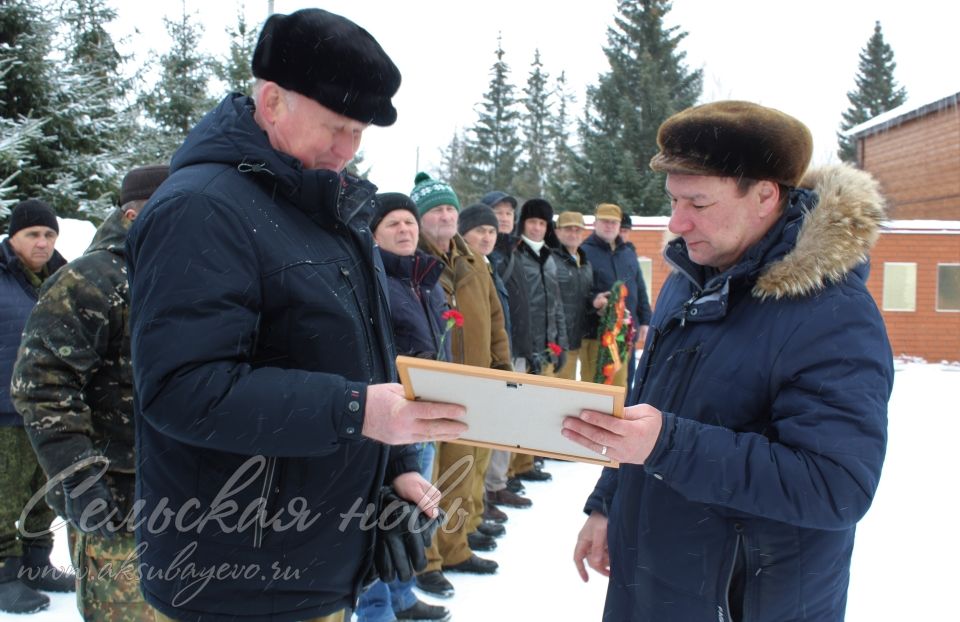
{"x":476,"y":215}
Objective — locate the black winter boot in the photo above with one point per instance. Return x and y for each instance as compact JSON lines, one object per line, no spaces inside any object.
{"x":15,"y":597}
{"x":422,"y":612}
{"x":38,"y":573}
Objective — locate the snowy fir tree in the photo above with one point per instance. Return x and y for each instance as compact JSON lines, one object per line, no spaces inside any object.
{"x":61,"y":75}
{"x":25,"y":96}
{"x":535,"y":121}
{"x":453,"y":167}
{"x":233,"y":69}
{"x":560,"y":182}
{"x":876,"y":91}
{"x":16,"y":136}
{"x":358,"y":167}
{"x":492,"y":148}
{"x":181,"y":96}
{"x":97,"y":122}
{"x":647,"y":82}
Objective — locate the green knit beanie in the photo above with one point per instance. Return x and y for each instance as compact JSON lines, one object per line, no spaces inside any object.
{"x":428,"y":193}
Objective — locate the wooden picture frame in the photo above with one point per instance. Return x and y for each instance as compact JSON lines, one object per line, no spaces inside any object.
{"x":510,"y":410}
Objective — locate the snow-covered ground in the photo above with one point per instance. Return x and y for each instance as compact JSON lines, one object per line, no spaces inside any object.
{"x":904,"y":565}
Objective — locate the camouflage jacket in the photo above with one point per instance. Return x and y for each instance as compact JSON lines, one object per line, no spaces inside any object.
{"x":72,"y":381}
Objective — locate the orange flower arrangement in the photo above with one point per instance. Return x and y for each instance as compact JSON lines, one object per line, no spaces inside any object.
{"x":616,"y":330}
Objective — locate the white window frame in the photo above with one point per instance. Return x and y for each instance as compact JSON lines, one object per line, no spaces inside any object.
{"x":937,"y":299}
{"x":646,"y":269}
{"x":887,"y":286}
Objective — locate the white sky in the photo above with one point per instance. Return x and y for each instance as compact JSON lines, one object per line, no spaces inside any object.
{"x":799,"y":57}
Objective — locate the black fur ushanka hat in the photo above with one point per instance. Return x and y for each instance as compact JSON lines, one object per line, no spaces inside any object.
{"x":332,"y":61}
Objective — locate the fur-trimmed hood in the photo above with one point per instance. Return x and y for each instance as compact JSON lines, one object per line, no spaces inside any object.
{"x":835,"y":237}
{"x":828,"y":228}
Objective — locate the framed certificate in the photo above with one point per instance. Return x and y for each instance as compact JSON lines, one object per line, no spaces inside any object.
{"x":509,"y":410}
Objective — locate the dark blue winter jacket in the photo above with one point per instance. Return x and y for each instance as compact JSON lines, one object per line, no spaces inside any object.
{"x":773,"y":379}
{"x":416,"y":303}
{"x":258,"y":318}
{"x":575,"y":280}
{"x":17,"y":298}
{"x":610,"y":266}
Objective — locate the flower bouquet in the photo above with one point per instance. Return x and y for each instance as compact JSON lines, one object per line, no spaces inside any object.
{"x":615,"y":335}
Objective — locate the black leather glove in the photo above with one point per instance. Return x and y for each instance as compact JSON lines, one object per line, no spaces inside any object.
{"x":535,"y":364}
{"x":559,"y":360}
{"x":404,"y":533}
{"x":89,"y":504}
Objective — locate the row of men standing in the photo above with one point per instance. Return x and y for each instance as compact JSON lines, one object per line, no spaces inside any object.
{"x":521,"y":285}
{"x":85,"y":310}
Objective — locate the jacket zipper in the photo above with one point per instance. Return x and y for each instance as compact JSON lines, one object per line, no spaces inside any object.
{"x":725,"y":614}
{"x":266,"y":492}
{"x":345,"y":272}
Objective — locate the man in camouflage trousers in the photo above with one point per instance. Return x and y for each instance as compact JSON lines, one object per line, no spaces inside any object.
{"x":73,"y":385}
{"x":28,"y":257}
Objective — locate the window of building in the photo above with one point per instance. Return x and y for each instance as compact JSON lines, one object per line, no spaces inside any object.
{"x":899,"y":286}
{"x":646,"y":269}
{"x":948,"y":287}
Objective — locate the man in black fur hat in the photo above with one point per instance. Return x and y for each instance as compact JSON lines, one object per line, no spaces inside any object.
{"x":262,"y":354}
{"x":754,"y":437}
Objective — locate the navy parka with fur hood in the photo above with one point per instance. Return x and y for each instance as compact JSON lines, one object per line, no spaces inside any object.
{"x":258,"y":319}
{"x":773,"y":378}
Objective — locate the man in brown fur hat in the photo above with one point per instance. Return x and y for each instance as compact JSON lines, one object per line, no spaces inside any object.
{"x":757,"y":429}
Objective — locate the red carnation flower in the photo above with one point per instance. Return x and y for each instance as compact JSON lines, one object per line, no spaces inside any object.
{"x":453,"y":316}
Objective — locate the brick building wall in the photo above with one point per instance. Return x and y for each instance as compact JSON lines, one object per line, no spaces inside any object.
{"x":917,"y":163}
{"x":925,"y":332}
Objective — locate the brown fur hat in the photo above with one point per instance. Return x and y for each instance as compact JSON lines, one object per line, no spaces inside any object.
{"x":734,"y":139}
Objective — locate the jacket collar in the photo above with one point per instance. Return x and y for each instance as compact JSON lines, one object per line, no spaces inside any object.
{"x":112,"y":234}
{"x":826,"y":231}
{"x":230,"y":135}
{"x":421,"y":268}
{"x":458,"y":248}
{"x":595,"y":240}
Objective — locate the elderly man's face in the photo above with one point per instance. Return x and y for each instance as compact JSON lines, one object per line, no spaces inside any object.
{"x":606,"y":229}
{"x":439,"y":224}
{"x":505,"y":214}
{"x":570,"y":236}
{"x":310,"y":132}
{"x":34,"y":246}
{"x":398,"y":233}
{"x":481,"y":239}
{"x":717,"y":223}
